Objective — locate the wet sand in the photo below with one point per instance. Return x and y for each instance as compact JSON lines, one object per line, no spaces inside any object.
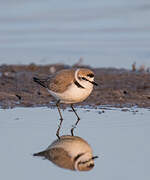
{"x":117,"y":87}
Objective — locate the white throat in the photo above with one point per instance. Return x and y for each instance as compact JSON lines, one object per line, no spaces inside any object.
{"x":76,"y":75}
{"x":85,"y":157}
{"x":85,"y":84}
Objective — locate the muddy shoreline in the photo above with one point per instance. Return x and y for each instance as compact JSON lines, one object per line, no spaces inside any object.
{"x":117,"y":87}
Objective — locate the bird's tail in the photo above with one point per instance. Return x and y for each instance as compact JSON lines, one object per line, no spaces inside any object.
{"x":44,"y":154}
{"x":42,"y":82}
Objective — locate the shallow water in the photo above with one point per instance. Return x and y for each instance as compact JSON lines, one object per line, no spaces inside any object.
{"x":105,"y":33}
{"x":120,"y":137}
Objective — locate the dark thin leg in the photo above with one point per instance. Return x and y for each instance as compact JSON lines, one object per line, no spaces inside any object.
{"x":61,"y":119}
{"x":78,"y":119}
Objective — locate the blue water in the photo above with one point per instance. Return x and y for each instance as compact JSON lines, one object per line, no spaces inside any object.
{"x":104,"y":33}
{"x":119,"y":138}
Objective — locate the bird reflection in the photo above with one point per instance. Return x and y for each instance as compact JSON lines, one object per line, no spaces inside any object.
{"x":70,"y":152}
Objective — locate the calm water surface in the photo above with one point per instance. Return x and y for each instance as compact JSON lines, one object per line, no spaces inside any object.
{"x":120,"y":139}
{"x":105,"y":33}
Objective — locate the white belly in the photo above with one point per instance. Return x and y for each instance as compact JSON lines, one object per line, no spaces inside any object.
{"x":73,"y":94}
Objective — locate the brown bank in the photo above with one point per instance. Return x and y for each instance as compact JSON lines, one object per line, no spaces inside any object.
{"x":117,"y":87}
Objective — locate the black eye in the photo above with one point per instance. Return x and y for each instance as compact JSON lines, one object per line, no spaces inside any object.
{"x":90,"y":75}
{"x":83,"y":78}
{"x":91,"y":165}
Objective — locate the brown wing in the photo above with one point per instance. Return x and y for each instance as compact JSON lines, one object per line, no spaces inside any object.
{"x":61,"y":80}
{"x":61,"y":158}
{"x":58,"y":156}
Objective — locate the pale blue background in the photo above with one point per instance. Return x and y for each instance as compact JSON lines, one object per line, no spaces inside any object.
{"x":104,"y":32}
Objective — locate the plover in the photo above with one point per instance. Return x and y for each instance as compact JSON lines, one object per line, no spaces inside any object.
{"x":69,"y":86}
{"x":70,"y":152}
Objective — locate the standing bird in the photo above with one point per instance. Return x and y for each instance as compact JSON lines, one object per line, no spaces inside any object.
{"x":69,"y":86}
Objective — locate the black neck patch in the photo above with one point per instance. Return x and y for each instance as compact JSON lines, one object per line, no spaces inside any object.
{"x":77,"y":157}
{"x":78,"y":85}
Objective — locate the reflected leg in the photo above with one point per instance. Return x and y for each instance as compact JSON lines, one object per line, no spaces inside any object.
{"x":61,"y":119}
{"x":78,"y":119}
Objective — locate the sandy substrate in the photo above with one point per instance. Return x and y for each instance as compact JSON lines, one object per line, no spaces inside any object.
{"x":117,"y":87}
